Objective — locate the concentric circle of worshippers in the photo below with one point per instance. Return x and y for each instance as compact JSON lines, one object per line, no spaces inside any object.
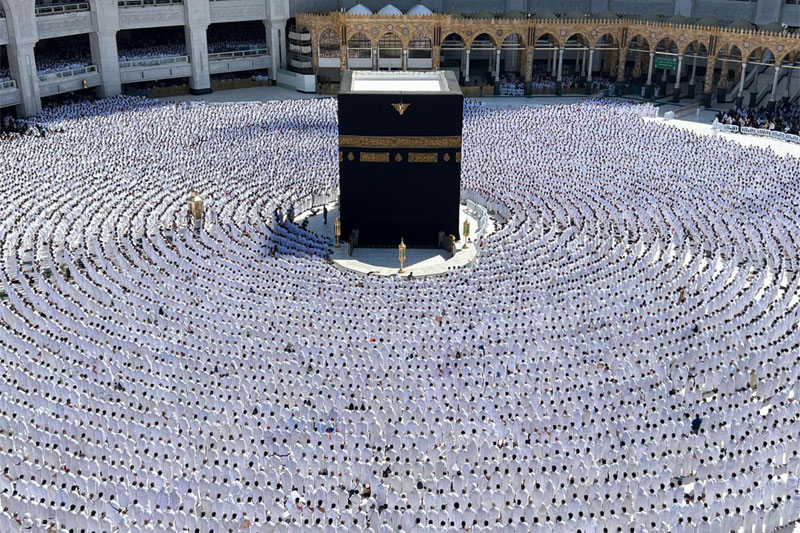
{"x":623,"y":357}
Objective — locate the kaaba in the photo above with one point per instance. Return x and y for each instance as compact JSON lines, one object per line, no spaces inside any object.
{"x":399,"y":157}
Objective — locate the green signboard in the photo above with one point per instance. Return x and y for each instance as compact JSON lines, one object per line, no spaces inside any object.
{"x":666,"y":62}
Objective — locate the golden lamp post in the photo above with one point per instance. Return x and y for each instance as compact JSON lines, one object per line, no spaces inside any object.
{"x":466,"y":234}
{"x":401,"y":254}
{"x":337,"y":230}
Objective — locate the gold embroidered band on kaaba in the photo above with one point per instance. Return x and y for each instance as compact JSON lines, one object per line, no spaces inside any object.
{"x":374,"y":157}
{"x":373,"y":141}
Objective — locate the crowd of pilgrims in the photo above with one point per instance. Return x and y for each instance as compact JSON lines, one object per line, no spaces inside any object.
{"x":622,"y":358}
{"x":783,"y":117}
{"x":545,"y":81}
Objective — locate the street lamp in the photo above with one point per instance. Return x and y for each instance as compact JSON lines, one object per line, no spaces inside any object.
{"x":401,"y":254}
{"x":466,"y":234}
{"x":337,"y":230}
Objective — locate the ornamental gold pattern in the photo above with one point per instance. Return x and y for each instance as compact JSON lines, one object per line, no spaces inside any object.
{"x":423,"y":157}
{"x":374,"y":141}
{"x":374,"y":157}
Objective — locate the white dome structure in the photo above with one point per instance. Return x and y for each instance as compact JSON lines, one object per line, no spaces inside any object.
{"x":419,"y":9}
{"x":389,"y":9}
{"x":359,"y":9}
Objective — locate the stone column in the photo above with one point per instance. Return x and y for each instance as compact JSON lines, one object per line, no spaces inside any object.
{"x":676,"y":95}
{"x":590,"y":66}
{"x":375,"y":59}
{"x":22,"y":64}
{"x":497,"y":65}
{"x":198,"y":17}
{"x":622,"y":59}
{"x":708,"y":82}
{"x":22,"y":37}
{"x":774,"y":95}
{"x":197,"y":46}
{"x":276,"y":42}
{"x":275,"y":25}
{"x":637,"y":65}
{"x":343,"y":58}
{"x":103,"y":44}
{"x":554,"y":71}
{"x":466,"y":69}
{"x":741,"y":85}
{"x":648,"y":92}
{"x":527,"y":84}
{"x":405,"y":58}
{"x":559,"y":89}
{"x":722,"y":85}
{"x":691,"y":78}
{"x":436,"y":57}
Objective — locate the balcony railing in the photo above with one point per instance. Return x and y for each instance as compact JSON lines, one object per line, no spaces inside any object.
{"x":8,"y":84}
{"x":62,"y":8}
{"x":155,"y":61}
{"x":147,"y":3}
{"x":222,"y":56}
{"x":67,"y":73}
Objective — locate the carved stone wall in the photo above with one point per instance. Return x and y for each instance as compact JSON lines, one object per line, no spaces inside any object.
{"x":63,"y":25}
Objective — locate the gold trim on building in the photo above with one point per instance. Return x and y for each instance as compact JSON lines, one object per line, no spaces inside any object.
{"x":374,"y":141}
{"x":423,"y":157}
{"x":458,"y":157}
{"x":446,"y":157}
{"x":373,"y":157}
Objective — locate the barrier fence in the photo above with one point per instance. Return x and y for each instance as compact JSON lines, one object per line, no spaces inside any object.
{"x":62,"y":8}
{"x":489,"y":203}
{"x":154,"y":61}
{"x":237,"y":54}
{"x":67,"y":73}
{"x":683,"y":111}
{"x":758,"y":132}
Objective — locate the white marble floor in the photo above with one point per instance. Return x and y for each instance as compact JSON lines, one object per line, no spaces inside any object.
{"x":383,"y":261}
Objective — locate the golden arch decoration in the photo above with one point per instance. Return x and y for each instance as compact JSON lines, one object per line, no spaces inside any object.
{"x":696,"y":47}
{"x":613,"y":42}
{"x":642,"y":43}
{"x":510,"y":45}
{"x":491,"y":39}
{"x":583,"y":39}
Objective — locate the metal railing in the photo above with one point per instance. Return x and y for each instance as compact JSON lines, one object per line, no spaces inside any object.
{"x":8,"y":84}
{"x":222,"y":56}
{"x":154,"y":61}
{"x":67,"y":73}
{"x":147,"y":3}
{"x":62,"y":8}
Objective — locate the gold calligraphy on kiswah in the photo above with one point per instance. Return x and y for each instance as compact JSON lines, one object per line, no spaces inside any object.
{"x":423,"y":157}
{"x":372,"y":141}
{"x":374,"y":157}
